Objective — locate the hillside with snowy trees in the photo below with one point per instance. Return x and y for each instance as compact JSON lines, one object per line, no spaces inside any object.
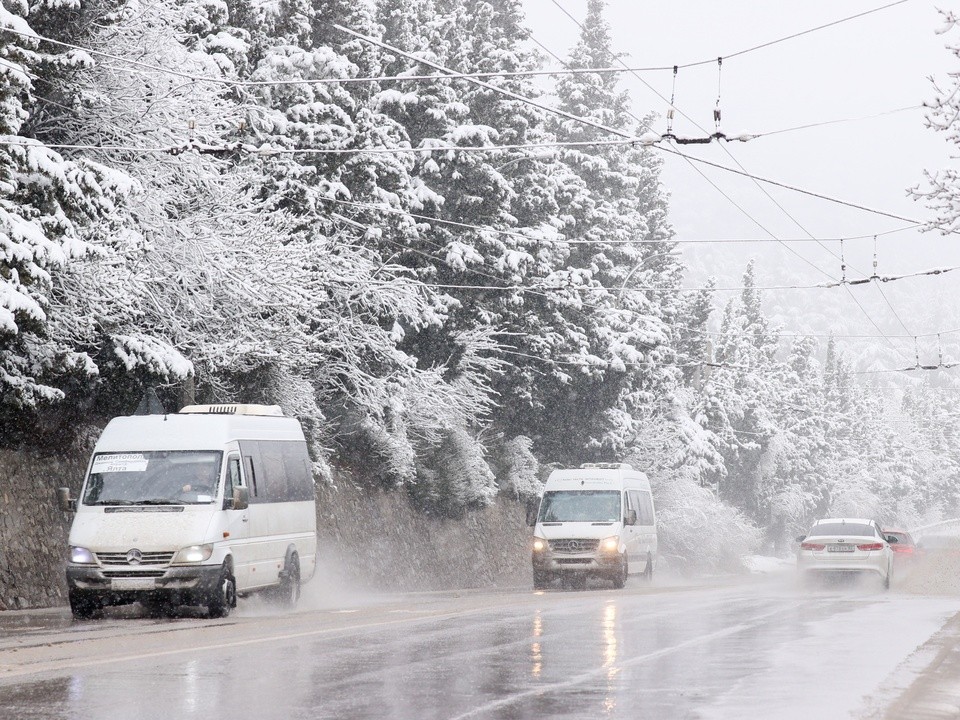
{"x":455,"y":282}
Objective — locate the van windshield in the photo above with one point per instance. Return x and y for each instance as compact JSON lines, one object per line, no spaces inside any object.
{"x":580,"y":506}
{"x":167,"y":477}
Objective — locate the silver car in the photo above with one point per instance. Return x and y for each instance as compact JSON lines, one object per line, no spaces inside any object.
{"x":846,"y":545}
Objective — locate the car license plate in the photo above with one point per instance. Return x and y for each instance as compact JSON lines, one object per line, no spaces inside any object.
{"x":841,"y":548}
{"x":133,"y":584}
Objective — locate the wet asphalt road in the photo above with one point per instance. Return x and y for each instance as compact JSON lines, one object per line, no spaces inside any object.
{"x":763,"y":648}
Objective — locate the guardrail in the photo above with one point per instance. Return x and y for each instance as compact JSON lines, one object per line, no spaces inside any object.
{"x":951,"y":524}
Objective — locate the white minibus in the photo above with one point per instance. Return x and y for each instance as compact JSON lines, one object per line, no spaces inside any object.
{"x":193,"y":508}
{"x":597,"y":520}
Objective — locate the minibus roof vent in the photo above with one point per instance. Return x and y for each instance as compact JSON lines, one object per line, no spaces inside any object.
{"x":233,"y":409}
{"x":607,"y":466}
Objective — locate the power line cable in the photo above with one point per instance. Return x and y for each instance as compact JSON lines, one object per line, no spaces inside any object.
{"x":521,"y":73}
{"x":689,"y":160}
{"x":793,"y":188}
{"x":811,"y":30}
{"x":755,"y":179}
{"x":480,"y":83}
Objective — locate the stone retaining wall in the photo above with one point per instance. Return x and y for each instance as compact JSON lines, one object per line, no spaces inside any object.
{"x":33,"y":530}
{"x":369,"y":538}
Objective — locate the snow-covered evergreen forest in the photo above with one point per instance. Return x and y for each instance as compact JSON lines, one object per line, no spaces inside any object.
{"x":359,"y":211}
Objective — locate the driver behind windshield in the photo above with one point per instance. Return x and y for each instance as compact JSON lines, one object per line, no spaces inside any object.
{"x":199,"y":480}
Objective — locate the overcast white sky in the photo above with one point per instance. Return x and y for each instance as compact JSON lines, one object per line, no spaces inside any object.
{"x":863,"y":67}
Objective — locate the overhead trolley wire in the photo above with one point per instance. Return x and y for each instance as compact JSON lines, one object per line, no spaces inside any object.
{"x":255,"y":83}
{"x":743,"y":170}
{"x":792,"y":188}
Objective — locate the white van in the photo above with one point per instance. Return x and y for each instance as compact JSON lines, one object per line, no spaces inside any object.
{"x":597,"y":519}
{"x":193,"y":508}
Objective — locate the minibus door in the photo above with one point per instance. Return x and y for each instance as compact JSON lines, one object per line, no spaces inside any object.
{"x":237,"y":531}
{"x":630,"y":531}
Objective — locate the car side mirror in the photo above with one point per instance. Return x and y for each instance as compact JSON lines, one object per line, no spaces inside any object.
{"x":533,"y":506}
{"x":241,"y":498}
{"x":801,"y":538}
{"x":64,"y":501}
{"x":630,"y":518}
{"x":891,"y":539}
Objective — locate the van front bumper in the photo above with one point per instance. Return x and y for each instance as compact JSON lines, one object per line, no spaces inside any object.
{"x":190,"y":582}
{"x":594,"y":563}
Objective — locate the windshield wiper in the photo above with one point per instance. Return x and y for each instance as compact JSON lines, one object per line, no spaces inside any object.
{"x":113,"y":502}
{"x":159,"y":501}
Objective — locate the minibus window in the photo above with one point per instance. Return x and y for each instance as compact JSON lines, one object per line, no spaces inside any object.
{"x":234,"y":479}
{"x":248,"y":461}
{"x":646,"y":508}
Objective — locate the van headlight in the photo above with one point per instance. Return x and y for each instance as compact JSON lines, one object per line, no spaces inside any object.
{"x":539,"y":544}
{"x":610,"y":544}
{"x":82,"y":556}
{"x":193,"y":554}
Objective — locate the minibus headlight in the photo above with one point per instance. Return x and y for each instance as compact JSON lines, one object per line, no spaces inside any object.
{"x":539,"y":544}
{"x":610,"y":544}
{"x":193,"y":554}
{"x":82,"y":556}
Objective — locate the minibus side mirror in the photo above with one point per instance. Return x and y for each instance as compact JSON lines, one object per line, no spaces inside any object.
{"x":533,"y":506}
{"x":241,"y":498}
{"x":630,"y":518}
{"x":64,"y":501}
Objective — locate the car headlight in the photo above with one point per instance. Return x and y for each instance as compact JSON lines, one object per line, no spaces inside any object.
{"x":82,"y":556}
{"x":193,"y":554}
{"x":539,"y":544}
{"x":610,"y":544}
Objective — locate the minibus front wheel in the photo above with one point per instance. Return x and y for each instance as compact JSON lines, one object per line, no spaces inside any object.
{"x":85,"y":605}
{"x":224,"y":596}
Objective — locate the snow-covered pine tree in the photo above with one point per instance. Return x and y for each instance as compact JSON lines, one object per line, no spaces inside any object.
{"x":612,"y":199}
{"x":51,"y":211}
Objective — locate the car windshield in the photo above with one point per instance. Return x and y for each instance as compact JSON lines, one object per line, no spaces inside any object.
{"x":580,"y":506}
{"x":838,"y":528}
{"x":153,"y":478}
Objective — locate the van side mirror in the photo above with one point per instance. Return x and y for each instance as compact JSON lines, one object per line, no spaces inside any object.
{"x":630,"y":518}
{"x":64,"y":501}
{"x":241,"y":498}
{"x":533,"y":506}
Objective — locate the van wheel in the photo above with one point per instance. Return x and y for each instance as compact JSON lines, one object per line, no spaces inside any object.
{"x":288,"y":591}
{"x":540,"y":579}
{"x":84,"y":605}
{"x":620,"y":578}
{"x":224,"y":597}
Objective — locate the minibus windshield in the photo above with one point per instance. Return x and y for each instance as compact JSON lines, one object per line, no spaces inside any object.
{"x":580,"y":506}
{"x":167,"y":477}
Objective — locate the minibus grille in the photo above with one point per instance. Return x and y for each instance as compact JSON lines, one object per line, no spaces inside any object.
{"x":574,"y":545}
{"x":111,"y":573}
{"x":146,"y":558}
